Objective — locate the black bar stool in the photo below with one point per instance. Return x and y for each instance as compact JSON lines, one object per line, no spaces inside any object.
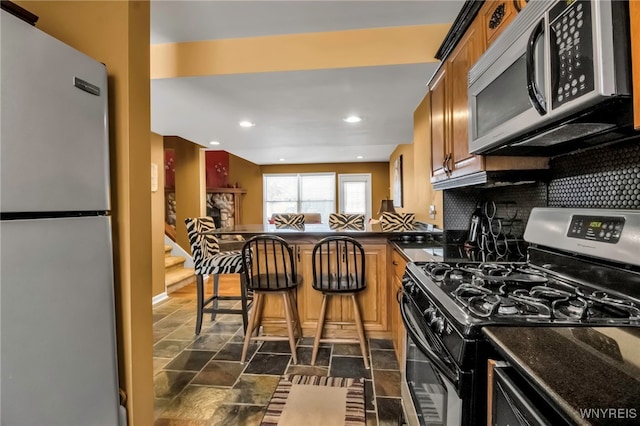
{"x":270,"y":270}
{"x":339,"y":270}
{"x":209,"y":260}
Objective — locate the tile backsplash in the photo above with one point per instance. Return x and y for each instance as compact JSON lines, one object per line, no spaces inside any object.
{"x":603,"y":177}
{"x":608,"y":177}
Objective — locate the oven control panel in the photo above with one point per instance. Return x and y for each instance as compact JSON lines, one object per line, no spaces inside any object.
{"x":605,"y":229}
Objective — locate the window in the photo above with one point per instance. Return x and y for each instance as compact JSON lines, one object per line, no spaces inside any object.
{"x":355,"y":194}
{"x":299,"y":193}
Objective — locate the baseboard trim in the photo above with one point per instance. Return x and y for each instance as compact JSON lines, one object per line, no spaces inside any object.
{"x":159,"y":298}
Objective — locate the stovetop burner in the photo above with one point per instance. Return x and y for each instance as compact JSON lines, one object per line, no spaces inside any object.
{"x":521,"y":291}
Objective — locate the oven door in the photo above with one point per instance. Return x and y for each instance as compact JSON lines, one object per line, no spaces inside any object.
{"x":512,"y":401}
{"x":431,"y":377}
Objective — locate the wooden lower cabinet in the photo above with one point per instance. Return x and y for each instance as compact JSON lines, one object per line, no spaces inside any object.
{"x":309,"y":300}
{"x":373,"y":301}
{"x":398,"y":265}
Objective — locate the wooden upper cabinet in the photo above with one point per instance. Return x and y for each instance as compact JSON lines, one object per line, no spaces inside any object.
{"x":459,"y":62}
{"x":450,"y":157}
{"x":495,"y":15}
{"x":439,"y":150}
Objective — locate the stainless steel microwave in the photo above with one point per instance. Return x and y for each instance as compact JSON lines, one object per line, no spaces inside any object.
{"x":560,"y":72}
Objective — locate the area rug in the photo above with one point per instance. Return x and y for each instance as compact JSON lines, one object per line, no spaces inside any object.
{"x":316,"y":401}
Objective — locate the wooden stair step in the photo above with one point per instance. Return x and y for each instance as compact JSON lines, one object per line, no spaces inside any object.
{"x":173,"y":262}
{"x":178,"y":278}
{"x":167,"y":249}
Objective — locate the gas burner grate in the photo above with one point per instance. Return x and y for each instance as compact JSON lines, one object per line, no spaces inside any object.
{"x":483,"y":303}
{"x":596,"y":307}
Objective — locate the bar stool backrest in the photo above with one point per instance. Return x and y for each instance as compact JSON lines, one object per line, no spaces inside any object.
{"x":268,"y":263}
{"x":338,"y":264}
{"x":203,"y":246}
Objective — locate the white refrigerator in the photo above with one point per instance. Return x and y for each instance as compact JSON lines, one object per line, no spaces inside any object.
{"x":58,"y":356}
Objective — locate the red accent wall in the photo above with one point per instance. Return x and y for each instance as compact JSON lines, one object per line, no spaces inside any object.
{"x":169,"y":169}
{"x":217,"y":169}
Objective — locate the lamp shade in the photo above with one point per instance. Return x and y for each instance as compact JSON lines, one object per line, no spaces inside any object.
{"x":386,"y":206}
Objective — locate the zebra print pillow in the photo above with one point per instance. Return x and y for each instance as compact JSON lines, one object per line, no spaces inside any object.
{"x":344,"y":221}
{"x":397,"y":221}
{"x":295,"y":220}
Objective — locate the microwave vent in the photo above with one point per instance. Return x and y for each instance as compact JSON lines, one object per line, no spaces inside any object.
{"x":566,"y":132}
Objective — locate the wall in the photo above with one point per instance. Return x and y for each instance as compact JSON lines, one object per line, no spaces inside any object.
{"x":249,"y":177}
{"x":288,"y":52}
{"x":379,"y":177}
{"x":190,"y":184}
{"x":409,"y":201}
{"x":425,"y":195}
{"x":418,"y":194}
{"x":117,"y":34}
{"x":217,"y":169}
{"x":157,"y":218}
{"x":169,"y":168}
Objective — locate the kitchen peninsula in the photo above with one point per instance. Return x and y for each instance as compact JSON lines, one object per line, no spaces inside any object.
{"x":374,"y":301}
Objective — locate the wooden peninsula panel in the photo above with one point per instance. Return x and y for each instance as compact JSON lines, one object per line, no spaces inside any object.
{"x":373,"y":300}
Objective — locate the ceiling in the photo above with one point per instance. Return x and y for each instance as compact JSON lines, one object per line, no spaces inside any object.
{"x":297,"y":112}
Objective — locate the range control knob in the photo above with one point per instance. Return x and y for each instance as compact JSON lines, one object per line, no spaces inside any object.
{"x":409,"y":287}
{"x":439,"y":326}
{"x":430,"y":316}
{"x":427,"y":313}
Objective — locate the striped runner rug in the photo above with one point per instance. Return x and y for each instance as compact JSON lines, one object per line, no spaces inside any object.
{"x":316,"y":400}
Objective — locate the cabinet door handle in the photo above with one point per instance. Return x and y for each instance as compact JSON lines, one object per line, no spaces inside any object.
{"x":298,"y":253}
{"x":394,"y":263}
{"x":445,"y":164}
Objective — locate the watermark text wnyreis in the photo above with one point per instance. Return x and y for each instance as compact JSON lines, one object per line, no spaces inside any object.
{"x":608,"y":413}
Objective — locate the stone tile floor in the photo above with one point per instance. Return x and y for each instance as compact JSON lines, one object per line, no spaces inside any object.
{"x":198,"y":380}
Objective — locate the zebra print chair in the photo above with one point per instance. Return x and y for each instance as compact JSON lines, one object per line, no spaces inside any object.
{"x":209,"y":260}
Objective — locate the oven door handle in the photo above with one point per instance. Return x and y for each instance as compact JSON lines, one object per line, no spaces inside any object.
{"x":451,"y":374}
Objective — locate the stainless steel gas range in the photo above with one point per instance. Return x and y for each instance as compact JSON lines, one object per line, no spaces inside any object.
{"x":582,"y":269}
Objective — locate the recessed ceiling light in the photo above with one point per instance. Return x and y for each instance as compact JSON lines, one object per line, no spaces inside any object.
{"x":246,"y":124}
{"x":282,"y":159}
{"x":352,"y":119}
{"x":214,"y":143}
{"x":359,"y":157}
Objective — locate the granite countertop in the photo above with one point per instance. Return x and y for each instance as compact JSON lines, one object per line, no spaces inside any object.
{"x":413,"y":251}
{"x":579,"y":368}
{"x":321,"y":230}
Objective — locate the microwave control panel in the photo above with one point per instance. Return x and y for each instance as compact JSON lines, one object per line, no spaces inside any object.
{"x":596,"y":228}
{"x":571,"y":44}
